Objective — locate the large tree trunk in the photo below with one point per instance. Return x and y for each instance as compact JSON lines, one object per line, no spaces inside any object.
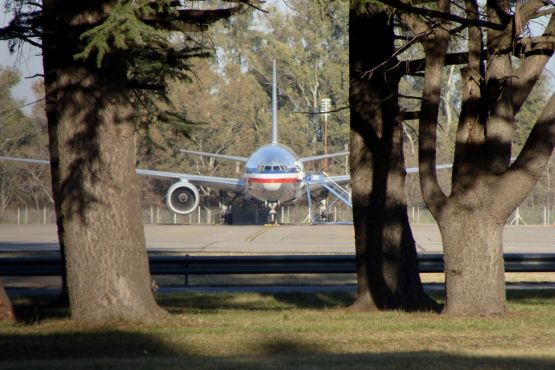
{"x":474,"y":267}
{"x":107,"y":266}
{"x":387,"y":265}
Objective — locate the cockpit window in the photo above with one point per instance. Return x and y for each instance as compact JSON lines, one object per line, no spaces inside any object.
{"x":273,"y":168}
{"x":274,"y":158}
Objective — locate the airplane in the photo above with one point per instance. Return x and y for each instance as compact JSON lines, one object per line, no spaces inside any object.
{"x":273,"y":174}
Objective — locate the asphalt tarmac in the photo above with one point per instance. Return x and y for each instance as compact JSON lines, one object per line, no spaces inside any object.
{"x":258,"y":239}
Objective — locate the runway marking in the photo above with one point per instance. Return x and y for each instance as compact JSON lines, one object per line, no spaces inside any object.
{"x":258,"y":233}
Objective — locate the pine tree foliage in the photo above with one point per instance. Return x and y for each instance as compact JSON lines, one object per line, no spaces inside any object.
{"x":123,"y":29}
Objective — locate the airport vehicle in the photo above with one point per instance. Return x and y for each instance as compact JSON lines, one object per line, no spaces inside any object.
{"x":273,"y":174}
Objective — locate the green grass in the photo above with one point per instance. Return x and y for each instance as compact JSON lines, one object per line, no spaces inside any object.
{"x":293,"y":331}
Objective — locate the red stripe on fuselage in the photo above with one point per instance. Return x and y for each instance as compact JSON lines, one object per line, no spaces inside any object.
{"x":283,"y":180}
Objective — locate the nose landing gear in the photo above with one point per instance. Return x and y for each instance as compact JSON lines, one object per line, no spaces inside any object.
{"x":273,"y":213}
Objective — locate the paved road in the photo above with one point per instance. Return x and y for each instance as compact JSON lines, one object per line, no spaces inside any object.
{"x":284,"y":239}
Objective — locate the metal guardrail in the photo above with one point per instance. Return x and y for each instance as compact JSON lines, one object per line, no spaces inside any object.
{"x":168,"y":263}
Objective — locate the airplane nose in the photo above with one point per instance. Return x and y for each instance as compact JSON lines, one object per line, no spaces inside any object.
{"x":272,"y":186}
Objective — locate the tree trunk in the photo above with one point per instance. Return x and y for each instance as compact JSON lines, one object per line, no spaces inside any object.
{"x":107,"y":265}
{"x":474,"y":266}
{"x":387,"y":265}
{"x":49,"y":67}
{"x":6,"y":309}
{"x":485,"y":186}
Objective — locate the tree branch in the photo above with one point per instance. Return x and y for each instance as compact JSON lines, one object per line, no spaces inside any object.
{"x":529,"y":9}
{"x":207,"y":16}
{"x":543,"y":13}
{"x":132,"y":84}
{"x":470,"y":130}
{"x":532,"y":66}
{"x":435,"y":49}
{"x":408,"y":116}
{"x":537,"y":40}
{"x":397,"y":4}
{"x":521,"y":177}
{"x":339,"y":109}
{"x":412,"y":67}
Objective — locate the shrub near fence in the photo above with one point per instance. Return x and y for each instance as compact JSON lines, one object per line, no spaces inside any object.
{"x":287,"y":214}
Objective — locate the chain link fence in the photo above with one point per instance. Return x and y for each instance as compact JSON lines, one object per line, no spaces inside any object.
{"x":287,"y":214}
{"x":22,"y":216}
{"x":521,"y":216}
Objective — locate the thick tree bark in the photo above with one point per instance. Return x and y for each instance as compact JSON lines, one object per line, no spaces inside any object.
{"x":387,"y":266}
{"x":107,"y":265}
{"x":474,"y":267}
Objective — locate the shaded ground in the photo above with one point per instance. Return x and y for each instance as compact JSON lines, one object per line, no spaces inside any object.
{"x":286,"y":331}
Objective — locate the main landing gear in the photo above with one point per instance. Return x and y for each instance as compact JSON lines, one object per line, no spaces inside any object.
{"x":226,"y":217}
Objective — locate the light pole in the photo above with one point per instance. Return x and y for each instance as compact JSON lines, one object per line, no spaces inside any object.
{"x":325,"y":108}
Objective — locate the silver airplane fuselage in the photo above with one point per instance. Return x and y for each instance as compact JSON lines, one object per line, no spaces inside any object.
{"x":273,"y":173}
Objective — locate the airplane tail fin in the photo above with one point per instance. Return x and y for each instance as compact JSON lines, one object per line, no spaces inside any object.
{"x":274,"y":105}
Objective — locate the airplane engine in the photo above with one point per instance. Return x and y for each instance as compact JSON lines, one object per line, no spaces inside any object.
{"x":182,"y":197}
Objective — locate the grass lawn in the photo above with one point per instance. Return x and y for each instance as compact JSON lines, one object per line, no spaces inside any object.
{"x":273,"y":331}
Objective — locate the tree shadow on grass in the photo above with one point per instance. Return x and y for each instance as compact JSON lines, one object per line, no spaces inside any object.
{"x":117,"y":349}
{"x":182,"y":302}
{"x":31,"y":310}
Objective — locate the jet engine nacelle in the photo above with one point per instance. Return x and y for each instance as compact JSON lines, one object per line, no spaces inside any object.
{"x":182,"y":198}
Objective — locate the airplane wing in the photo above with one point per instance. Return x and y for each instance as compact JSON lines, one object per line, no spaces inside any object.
{"x":344,"y":179}
{"x":322,"y":156}
{"x":438,"y":167}
{"x":25,"y":160}
{"x":220,"y":183}
{"x":214,"y":182}
{"x":319,"y":180}
{"x":215,"y":155}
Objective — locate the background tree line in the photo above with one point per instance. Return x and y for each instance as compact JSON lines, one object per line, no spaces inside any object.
{"x":226,"y":104}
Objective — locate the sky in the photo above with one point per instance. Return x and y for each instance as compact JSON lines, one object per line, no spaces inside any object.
{"x":28,"y":61}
